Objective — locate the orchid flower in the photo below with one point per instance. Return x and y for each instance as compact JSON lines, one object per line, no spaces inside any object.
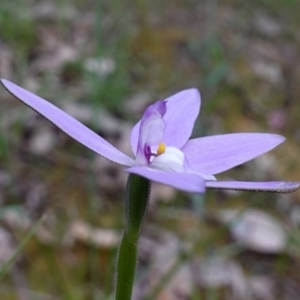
{"x":161,"y":145}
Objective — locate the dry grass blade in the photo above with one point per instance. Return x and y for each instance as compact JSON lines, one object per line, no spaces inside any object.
{"x":5,"y":267}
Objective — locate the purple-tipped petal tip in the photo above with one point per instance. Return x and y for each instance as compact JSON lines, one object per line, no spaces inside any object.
{"x":68,"y":124}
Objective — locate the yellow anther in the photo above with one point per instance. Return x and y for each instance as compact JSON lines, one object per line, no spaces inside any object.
{"x":161,"y":148}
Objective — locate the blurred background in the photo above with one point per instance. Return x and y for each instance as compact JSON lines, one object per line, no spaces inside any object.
{"x":104,"y":62}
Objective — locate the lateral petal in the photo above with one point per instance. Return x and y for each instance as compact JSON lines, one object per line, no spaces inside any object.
{"x":215,"y":154}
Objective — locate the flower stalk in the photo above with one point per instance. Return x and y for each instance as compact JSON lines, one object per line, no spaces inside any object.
{"x":137,"y":197}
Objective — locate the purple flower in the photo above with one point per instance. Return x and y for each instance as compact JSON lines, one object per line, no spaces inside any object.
{"x":161,"y":145}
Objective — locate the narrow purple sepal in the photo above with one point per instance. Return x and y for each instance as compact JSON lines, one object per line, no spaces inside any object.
{"x":183,"y":181}
{"x":272,"y":186}
{"x":215,"y":154}
{"x":68,"y":124}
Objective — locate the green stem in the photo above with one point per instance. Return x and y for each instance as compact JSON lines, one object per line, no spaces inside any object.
{"x":138,"y":191}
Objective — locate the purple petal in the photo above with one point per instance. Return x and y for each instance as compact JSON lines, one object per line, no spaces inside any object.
{"x":272,"y":186}
{"x":182,"y":111}
{"x":151,"y":131}
{"x":215,"y":154}
{"x":68,"y":124}
{"x":182,"y":181}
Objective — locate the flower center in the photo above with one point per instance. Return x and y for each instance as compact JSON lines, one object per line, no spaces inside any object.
{"x":168,"y":158}
{"x":173,"y":160}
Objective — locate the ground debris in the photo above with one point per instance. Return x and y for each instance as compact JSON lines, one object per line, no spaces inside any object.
{"x":99,"y":237}
{"x":256,"y":230}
